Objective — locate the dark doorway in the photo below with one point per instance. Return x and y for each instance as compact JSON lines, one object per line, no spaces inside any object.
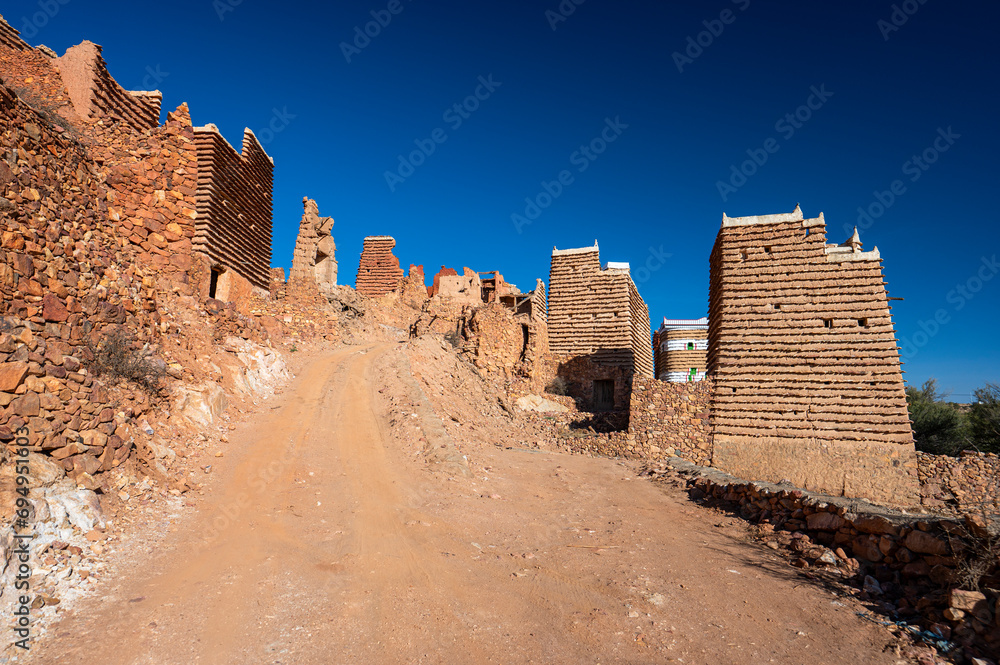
{"x":604,"y":395}
{"x":213,"y":283}
{"x":526,"y":336}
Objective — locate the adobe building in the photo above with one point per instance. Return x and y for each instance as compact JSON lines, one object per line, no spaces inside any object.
{"x":680,"y":350}
{"x":807,"y":381}
{"x":598,"y":327}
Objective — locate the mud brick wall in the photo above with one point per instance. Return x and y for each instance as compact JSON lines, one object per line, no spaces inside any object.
{"x":378,"y":271}
{"x":11,"y":38}
{"x":671,"y":419}
{"x":95,"y":94}
{"x":234,"y":205}
{"x":969,"y":483}
{"x":314,"y":264}
{"x":807,"y":376}
{"x":539,"y":303}
{"x":64,"y":280}
{"x":597,"y":313}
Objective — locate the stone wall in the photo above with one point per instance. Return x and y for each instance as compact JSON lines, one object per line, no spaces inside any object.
{"x":233,"y":227}
{"x":969,"y":483}
{"x":914,"y":568}
{"x":671,"y":419}
{"x":64,"y":281}
{"x":807,"y":377}
{"x":95,"y":94}
{"x":378,"y":271}
{"x":314,"y":263}
{"x":11,"y":38}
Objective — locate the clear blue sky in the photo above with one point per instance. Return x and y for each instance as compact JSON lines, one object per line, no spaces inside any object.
{"x":884,"y":94}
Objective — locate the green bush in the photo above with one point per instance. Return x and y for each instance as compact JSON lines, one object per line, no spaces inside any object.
{"x":938,"y":426}
{"x":984,"y":419}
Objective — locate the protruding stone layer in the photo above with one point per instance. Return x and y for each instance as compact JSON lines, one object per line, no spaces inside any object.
{"x":807,"y":377}
{"x":378,"y":270}
{"x":234,"y":205}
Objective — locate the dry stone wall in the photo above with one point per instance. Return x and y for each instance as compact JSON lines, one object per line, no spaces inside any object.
{"x":967,"y":484}
{"x":807,"y":377}
{"x":671,"y":419}
{"x":64,"y":282}
{"x":233,"y":227}
{"x":378,"y":271}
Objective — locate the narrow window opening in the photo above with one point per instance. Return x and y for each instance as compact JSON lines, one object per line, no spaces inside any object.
{"x":690,"y":346}
{"x":863,"y":323}
{"x":767,"y":250}
{"x":743,"y":255}
{"x":777,"y":307}
{"x":213,"y":283}
{"x":827,"y":323}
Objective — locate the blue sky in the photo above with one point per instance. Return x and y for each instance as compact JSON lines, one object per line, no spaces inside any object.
{"x":667,"y":100}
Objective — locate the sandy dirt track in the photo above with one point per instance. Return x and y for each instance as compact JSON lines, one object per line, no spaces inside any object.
{"x":321,"y":541}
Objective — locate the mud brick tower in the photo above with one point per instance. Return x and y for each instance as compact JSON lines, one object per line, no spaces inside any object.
{"x":598,"y":327}
{"x":808,"y":385}
{"x":378,"y":271}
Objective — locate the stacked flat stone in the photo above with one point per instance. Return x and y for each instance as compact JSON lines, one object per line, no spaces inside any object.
{"x":378,"y":271}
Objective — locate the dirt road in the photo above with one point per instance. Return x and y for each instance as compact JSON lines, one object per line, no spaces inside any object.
{"x":321,"y":542}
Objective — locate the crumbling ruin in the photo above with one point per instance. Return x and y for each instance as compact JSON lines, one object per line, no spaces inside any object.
{"x":680,"y":350}
{"x":598,"y":327}
{"x":314,"y":265}
{"x":807,"y":377}
{"x":378,"y":270}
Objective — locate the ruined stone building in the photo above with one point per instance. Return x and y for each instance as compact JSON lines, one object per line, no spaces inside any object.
{"x":807,"y":381}
{"x":378,"y":270}
{"x":680,"y":350}
{"x":192,"y":208}
{"x":314,"y":265}
{"x":598,"y":327}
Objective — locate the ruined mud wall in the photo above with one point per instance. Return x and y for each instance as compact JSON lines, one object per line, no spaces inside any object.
{"x":11,"y":38}
{"x":96,"y":94}
{"x":807,"y":378}
{"x":378,"y":271}
{"x":64,"y":280}
{"x":233,"y":227}
{"x":597,"y":313}
{"x":32,"y":75}
{"x":671,"y":419}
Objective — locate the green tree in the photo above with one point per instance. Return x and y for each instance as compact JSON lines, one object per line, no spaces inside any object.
{"x":984,"y":419}
{"x":937,"y":425}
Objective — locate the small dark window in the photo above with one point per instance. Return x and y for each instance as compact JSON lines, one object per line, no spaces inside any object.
{"x":778,"y":307}
{"x":743,"y":255}
{"x":827,"y":323}
{"x":863,"y":323}
{"x":767,"y":250}
{"x":690,"y":346}
{"x":604,"y":395}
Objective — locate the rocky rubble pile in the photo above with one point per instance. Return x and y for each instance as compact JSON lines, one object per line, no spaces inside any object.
{"x":923,"y":571}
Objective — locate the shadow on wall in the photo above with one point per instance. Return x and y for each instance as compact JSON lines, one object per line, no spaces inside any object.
{"x":599,"y":382}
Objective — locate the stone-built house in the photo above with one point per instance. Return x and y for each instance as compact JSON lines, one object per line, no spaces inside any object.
{"x":807,"y":379}
{"x":598,"y":327}
{"x":191,"y":206}
{"x":680,"y":350}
